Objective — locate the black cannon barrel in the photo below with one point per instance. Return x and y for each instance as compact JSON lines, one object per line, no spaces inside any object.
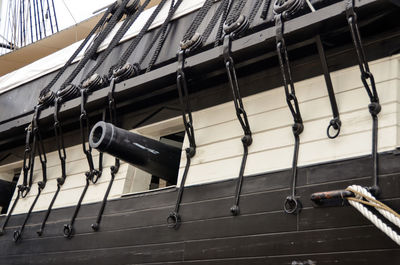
{"x":159,"y":159}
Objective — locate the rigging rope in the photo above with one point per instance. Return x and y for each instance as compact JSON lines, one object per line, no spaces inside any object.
{"x":132,"y":46}
{"x":93,"y":48}
{"x":89,"y":84}
{"x":164,"y":33}
{"x":134,"y":12}
{"x":99,"y":24}
{"x":364,"y":197}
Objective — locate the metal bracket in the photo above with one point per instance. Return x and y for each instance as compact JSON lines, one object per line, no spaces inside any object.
{"x":240,"y":114}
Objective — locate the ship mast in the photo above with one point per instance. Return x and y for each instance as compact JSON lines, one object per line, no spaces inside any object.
{"x":25,"y":21}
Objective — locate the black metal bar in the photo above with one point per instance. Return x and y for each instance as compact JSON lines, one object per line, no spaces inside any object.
{"x":37,"y":144}
{"x":29,"y":154}
{"x":292,"y":204}
{"x":374,"y":107}
{"x":42,"y":226}
{"x":334,"y":198}
{"x":3,"y":227}
{"x":18,"y":233}
{"x":115,"y":168}
{"x":62,"y":155}
{"x":231,"y":32}
{"x":335,"y":123}
{"x":174,"y":219}
{"x":331,"y":198}
{"x":92,"y":175}
{"x":69,"y":228}
{"x":26,"y":165}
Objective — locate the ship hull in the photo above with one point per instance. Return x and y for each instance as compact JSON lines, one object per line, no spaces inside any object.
{"x":134,"y":229}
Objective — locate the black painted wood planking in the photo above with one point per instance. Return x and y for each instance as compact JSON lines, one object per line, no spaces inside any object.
{"x":134,"y":230}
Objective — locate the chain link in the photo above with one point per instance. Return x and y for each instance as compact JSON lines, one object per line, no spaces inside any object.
{"x":291,"y":205}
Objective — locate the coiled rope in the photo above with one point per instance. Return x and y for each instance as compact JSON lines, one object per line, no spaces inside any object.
{"x":362,"y":198}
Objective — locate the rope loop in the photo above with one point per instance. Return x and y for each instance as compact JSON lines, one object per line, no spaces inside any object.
{"x":288,"y":8}
{"x":125,"y":72}
{"x":192,"y":43}
{"x":47,"y":99}
{"x":94,"y":82}
{"x":68,"y":92}
{"x":236,"y":28}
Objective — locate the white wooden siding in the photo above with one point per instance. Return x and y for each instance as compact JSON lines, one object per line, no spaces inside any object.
{"x":218,"y":134}
{"x":76,"y":167}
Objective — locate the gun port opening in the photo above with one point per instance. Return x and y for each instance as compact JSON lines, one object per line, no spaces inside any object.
{"x":8,"y":183}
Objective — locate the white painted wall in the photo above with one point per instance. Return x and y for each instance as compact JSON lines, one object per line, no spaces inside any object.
{"x":218,"y":134}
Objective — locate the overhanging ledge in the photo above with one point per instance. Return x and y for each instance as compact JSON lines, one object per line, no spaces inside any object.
{"x":299,"y":32}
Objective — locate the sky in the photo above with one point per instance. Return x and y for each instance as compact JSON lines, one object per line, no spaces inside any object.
{"x":69,"y":12}
{"x":77,"y":10}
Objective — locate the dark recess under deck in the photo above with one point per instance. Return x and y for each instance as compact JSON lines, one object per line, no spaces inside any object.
{"x":134,"y":230}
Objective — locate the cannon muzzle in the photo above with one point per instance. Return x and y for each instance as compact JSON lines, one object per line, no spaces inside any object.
{"x":159,"y":159}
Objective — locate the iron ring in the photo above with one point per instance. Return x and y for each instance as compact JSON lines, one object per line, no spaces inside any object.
{"x":291,"y":205}
{"x":174,"y":220}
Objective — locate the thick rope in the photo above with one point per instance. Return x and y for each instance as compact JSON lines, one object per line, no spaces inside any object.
{"x":235,"y":12}
{"x":114,"y":42}
{"x":125,"y":56}
{"x":221,"y":11}
{"x":227,"y":7}
{"x":264,"y":12}
{"x":254,"y":10}
{"x":197,"y":20}
{"x":383,"y":209}
{"x":83,"y":44}
{"x":93,"y":49}
{"x":164,"y":33}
